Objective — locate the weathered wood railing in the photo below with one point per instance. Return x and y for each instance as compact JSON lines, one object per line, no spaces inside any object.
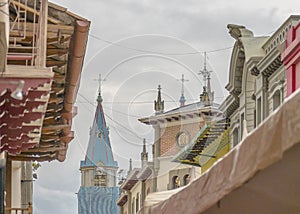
{"x":9,"y":210}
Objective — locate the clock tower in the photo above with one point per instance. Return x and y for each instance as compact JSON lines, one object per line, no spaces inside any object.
{"x":98,"y":191}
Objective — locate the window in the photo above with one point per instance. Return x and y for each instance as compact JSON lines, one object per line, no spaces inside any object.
{"x":141,"y":201}
{"x":137,"y":201}
{"x":186,"y":179}
{"x":242,"y":124}
{"x":100,"y":178}
{"x":254,"y":117}
{"x":235,"y":137}
{"x":182,"y":139}
{"x":175,"y":182}
{"x":276,"y":100}
{"x":258,"y":117}
{"x":132,"y":206}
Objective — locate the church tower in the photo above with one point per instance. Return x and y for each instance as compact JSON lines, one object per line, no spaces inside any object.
{"x":98,"y":191}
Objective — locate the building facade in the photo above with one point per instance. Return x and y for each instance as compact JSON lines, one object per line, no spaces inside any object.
{"x":290,"y":58}
{"x":237,"y":184}
{"x":98,"y":191}
{"x":257,"y":77}
{"x":136,"y":186}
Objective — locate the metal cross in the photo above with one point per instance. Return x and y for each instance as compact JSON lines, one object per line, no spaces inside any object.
{"x":182,"y":83}
{"x":100,"y":82}
{"x":205,"y":73}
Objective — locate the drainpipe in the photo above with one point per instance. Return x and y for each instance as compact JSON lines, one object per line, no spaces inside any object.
{"x":75,"y":65}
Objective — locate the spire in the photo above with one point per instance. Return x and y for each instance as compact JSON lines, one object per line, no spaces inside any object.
{"x":207,"y":95}
{"x":158,"y":104}
{"x":144,"y":154}
{"x":99,"y":146}
{"x":182,"y":98}
{"x":130,"y":165}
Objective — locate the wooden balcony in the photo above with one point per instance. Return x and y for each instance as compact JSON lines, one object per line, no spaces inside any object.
{"x":27,"y":210}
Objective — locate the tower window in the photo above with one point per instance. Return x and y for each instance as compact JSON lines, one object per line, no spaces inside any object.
{"x":100,"y":178}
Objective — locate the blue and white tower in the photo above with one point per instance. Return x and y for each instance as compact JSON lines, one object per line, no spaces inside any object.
{"x":98,"y":191}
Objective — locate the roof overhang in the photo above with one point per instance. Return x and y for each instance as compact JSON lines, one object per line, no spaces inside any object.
{"x":131,"y":180}
{"x":122,"y":200}
{"x":66,"y":39}
{"x":202,"y":112}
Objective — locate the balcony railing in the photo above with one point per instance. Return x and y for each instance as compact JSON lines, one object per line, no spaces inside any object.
{"x":27,"y":210}
{"x":23,"y":34}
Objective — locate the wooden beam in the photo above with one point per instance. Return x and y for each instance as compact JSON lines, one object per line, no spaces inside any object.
{"x":42,"y":35}
{"x":31,"y":10}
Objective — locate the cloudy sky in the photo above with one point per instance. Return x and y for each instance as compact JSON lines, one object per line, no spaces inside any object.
{"x":136,"y":45}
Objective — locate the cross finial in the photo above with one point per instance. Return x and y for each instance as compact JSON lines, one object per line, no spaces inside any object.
{"x":205,"y":73}
{"x":182,"y":98}
{"x":207,"y":95}
{"x":182,"y":83}
{"x":100,"y":81}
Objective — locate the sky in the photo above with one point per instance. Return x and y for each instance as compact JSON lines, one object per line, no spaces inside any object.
{"x":136,"y":45}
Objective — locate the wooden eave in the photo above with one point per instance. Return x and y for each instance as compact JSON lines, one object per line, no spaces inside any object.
{"x":62,"y":46}
{"x":130,"y":181}
{"x":122,"y":200}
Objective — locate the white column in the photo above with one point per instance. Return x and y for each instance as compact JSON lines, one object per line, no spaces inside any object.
{"x":4,"y":17}
{"x":16,"y":184}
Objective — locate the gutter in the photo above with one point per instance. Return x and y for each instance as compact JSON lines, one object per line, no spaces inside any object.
{"x":75,"y":64}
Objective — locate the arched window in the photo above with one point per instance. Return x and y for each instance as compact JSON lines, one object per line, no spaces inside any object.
{"x":186,"y":179}
{"x":137,"y":201}
{"x":276,"y":100}
{"x":175,"y":182}
{"x":132,"y":206}
{"x":235,"y":136}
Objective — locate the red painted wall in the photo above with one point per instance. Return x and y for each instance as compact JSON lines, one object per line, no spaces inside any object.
{"x":291,"y":59}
